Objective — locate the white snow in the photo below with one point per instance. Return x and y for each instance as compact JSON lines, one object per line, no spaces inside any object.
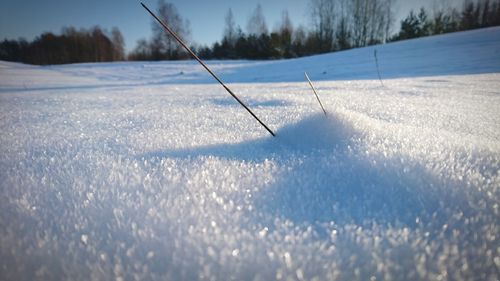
{"x":150,"y":171}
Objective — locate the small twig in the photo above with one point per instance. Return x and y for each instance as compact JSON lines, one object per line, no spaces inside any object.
{"x":376,"y":63}
{"x":164,"y":25}
{"x":316,"y":94}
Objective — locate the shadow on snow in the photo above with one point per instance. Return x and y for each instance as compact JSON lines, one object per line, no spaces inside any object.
{"x":325,"y":176}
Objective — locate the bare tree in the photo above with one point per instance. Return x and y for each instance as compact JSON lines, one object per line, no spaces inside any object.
{"x":485,"y":11}
{"x":343,"y":34}
{"x":103,"y":49}
{"x":377,"y":21}
{"x":163,"y":45}
{"x":286,"y":24}
{"x":285,"y":32}
{"x":299,"y":39}
{"x":118,"y":44}
{"x":230,"y":28}
{"x":389,"y":18}
{"x":257,"y":23}
{"x":323,"y":17}
{"x":370,"y":22}
{"x":142,"y":51}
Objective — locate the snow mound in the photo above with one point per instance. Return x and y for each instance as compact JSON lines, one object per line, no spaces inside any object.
{"x":316,"y":132}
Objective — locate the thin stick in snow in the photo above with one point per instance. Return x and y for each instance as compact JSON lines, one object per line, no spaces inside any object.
{"x":316,"y":94}
{"x":164,"y":25}
{"x":376,"y":63}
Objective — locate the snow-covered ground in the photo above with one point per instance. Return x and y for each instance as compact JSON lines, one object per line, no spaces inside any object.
{"x":150,"y":171}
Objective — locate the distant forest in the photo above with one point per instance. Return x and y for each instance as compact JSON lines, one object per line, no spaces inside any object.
{"x":335,"y":25}
{"x":72,"y":46}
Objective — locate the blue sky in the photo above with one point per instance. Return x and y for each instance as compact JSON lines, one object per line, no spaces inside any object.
{"x":29,"y":18}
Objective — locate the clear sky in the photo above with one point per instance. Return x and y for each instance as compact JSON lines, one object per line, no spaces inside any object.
{"x":29,"y":18}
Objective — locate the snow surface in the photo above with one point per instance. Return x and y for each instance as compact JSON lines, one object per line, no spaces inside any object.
{"x":150,"y":171}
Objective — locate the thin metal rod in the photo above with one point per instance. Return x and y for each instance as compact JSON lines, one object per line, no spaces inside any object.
{"x":376,"y":64}
{"x":164,"y":25}
{"x":316,"y":94}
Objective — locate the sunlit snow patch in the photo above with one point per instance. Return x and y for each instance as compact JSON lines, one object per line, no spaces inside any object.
{"x":316,"y":132}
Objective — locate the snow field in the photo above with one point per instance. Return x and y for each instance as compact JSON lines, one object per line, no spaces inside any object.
{"x":109,"y":172}
{"x":178,"y":182}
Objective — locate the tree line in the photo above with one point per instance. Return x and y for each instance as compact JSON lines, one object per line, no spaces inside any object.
{"x":480,"y":14}
{"x":71,"y":46}
{"x":335,"y":25}
{"x":345,"y":24}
